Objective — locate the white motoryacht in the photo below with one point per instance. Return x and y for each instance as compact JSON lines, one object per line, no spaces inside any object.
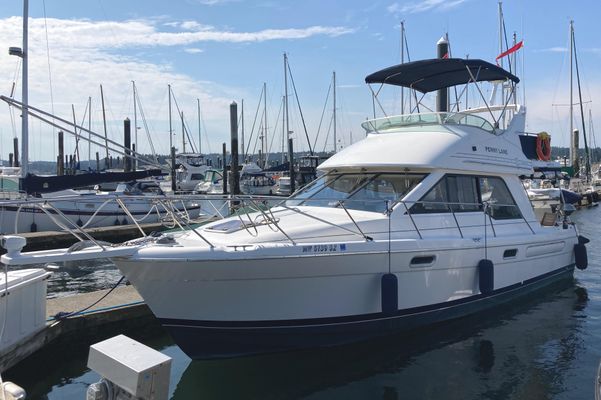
{"x":191,"y":171}
{"x":424,"y":220}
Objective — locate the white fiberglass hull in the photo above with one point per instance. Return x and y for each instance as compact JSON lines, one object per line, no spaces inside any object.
{"x":265,"y":299}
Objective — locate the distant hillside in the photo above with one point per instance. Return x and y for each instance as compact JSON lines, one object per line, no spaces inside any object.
{"x":561,"y":152}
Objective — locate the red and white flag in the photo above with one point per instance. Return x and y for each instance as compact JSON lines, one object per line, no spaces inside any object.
{"x":446,"y":55}
{"x":511,"y":50}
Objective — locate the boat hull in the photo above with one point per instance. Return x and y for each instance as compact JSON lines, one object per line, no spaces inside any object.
{"x":241,"y":301}
{"x":210,"y":339}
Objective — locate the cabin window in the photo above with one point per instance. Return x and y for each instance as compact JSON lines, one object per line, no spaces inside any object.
{"x":380,"y":189}
{"x":456,"y":193}
{"x":501,"y":204}
{"x":464,"y":193}
{"x":337,"y":188}
{"x":369,"y":192}
{"x":197,"y":177}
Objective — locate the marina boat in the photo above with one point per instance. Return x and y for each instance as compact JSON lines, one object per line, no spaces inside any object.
{"x":253,"y":181}
{"x":423,"y":221}
{"x":211,"y":184}
{"x":191,"y":170}
{"x":142,"y":202}
{"x":284,"y":186}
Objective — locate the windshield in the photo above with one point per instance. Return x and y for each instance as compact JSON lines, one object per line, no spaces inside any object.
{"x":369,"y":192}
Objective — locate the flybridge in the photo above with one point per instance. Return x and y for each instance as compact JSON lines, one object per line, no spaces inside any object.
{"x":430,"y":75}
{"x":439,"y":74}
{"x":426,"y":119}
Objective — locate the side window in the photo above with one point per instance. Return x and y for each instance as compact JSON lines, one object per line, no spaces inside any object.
{"x":380,"y":189}
{"x":435,"y":201}
{"x":501,"y":204}
{"x":457,"y":193}
{"x":463,"y":193}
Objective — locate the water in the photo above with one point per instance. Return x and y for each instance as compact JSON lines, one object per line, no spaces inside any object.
{"x":547,"y":347}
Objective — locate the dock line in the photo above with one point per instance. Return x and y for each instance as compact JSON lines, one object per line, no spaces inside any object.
{"x":135,"y":303}
{"x":64,"y":314}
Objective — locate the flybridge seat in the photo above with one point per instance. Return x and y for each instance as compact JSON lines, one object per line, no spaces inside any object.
{"x":426,"y":119}
{"x":433,"y":74}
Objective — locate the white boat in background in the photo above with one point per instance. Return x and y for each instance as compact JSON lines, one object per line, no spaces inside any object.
{"x":136,"y":202}
{"x":9,"y":181}
{"x":284,"y":186}
{"x":253,"y":181}
{"x":425,"y":220}
{"x":190,"y":172}
{"x":212,"y":183}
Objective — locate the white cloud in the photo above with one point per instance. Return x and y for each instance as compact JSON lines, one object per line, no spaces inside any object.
{"x":557,"y":49}
{"x":193,"y":50}
{"x":195,"y":26}
{"x":84,"y":34}
{"x":422,"y":6}
{"x":213,"y":2}
{"x":85,"y":54}
{"x":189,"y":25}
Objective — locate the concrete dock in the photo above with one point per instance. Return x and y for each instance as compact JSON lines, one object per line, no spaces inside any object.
{"x":123,"y":307}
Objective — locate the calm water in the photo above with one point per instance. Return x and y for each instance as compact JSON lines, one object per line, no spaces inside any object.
{"x":545,"y":348}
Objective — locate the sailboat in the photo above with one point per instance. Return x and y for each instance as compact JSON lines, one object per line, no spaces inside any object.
{"x":70,"y":210}
{"x":582,"y":179}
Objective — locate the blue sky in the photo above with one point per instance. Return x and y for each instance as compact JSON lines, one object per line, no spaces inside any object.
{"x":224,"y":50}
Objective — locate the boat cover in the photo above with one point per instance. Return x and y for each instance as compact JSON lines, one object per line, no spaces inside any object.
{"x":439,"y":73}
{"x":46,"y":184}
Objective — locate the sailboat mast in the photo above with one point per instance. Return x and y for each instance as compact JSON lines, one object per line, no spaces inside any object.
{"x":501,"y":32}
{"x":402,"y":62}
{"x":199,"y":135}
{"x":25,"y":95}
{"x":170,"y":126}
{"x":286,"y":99}
{"x":283,"y":132}
{"x":587,"y":161}
{"x":183,"y":133}
{"x":106,"y":143}
{"x":89,"y":130}
{"x":334,"y":111}
{"x":264,"y":137}
{"x":573,"y":150}
{"x":135,"y":116}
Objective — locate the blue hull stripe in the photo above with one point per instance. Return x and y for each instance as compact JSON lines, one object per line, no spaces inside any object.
{"x":223,"y":339}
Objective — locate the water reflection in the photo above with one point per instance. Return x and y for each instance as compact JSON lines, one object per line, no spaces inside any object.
{"x":59,"y":371}
{"x":518,"y":353}
{"x":525,"y":351}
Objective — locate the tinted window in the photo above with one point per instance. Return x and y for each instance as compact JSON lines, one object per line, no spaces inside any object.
{"x":457,"y":193}
{"x":369,"y":192}
{"x":501,"y":204}
{"x":381,"y":190}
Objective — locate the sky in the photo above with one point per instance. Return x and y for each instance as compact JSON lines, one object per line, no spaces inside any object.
{"x":216,"y":52}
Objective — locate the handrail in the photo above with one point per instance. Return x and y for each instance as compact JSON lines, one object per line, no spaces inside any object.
{"x":274,"y":221}
{"x":367,"y":238}
{"x":126,"y":210}
{"x":180,"y":217}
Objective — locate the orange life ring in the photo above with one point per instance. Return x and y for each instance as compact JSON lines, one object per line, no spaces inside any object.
{"x":543,"y":146}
